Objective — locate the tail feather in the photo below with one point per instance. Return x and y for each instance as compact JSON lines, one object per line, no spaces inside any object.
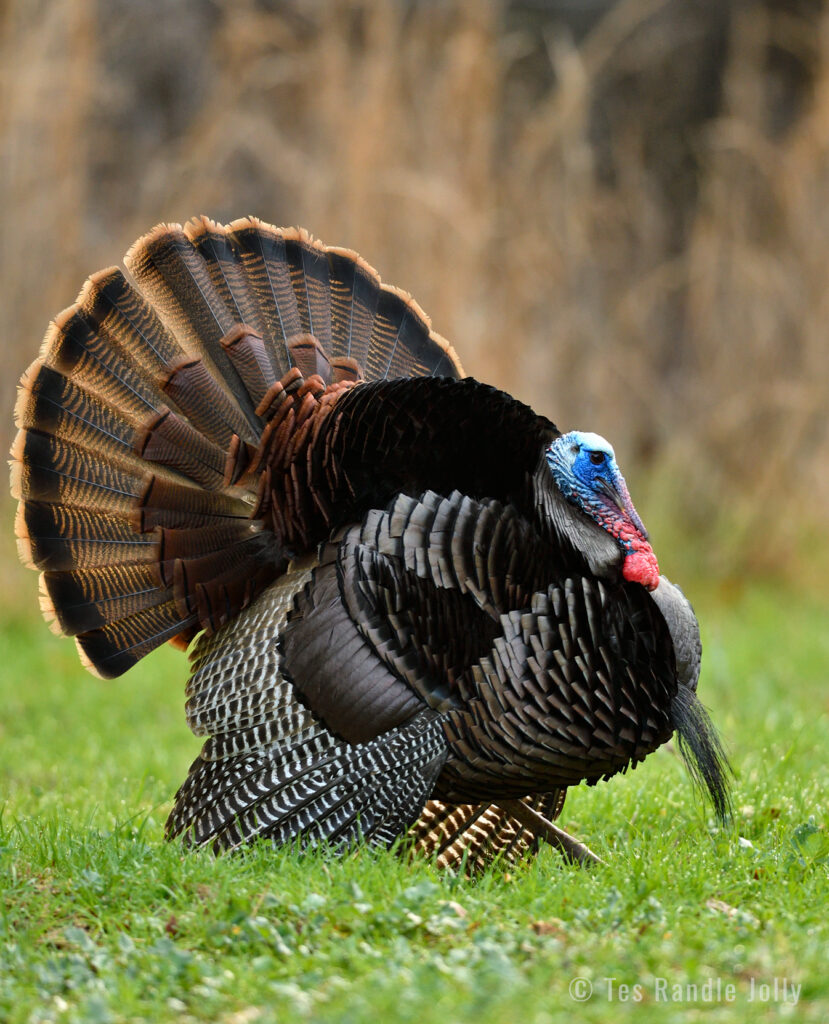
{"x":61,"y":538}
{"x":354,"y":298}
{"x":172,"y":273}
{"x":310,"y":357}
{"x":262,"y":250}
{"x":168,"y":503}
{"x":88,"y":599}
{"x":197,"y":393}
{"x":308,"y":265}
{"x":141,"y":464}
{"x":227,"y":271}
{"x":74,"y":348}
{"x":249,"y":354}
{"x":399,"y":334}
{"x":129,"y":324}
{"x":168,"y":440}
{"x":52,"y":403}
{"x":114,"y":648}
{"x":217,"y":586}
{"x":48,"y":469}
{"x":203,"y":540}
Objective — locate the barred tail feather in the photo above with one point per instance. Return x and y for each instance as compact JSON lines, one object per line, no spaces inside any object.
{"x":262,"y":252}
{"x":227,"y":271}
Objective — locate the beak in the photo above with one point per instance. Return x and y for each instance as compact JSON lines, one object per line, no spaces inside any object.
{"x":608,"y":489}
{"x":617,"y":491}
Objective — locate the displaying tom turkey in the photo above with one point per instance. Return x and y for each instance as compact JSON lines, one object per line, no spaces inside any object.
{"x":419,"y":606}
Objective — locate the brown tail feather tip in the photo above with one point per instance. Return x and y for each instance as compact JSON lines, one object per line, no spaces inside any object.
{"x":16,"y":465}
{"x":92,"y":286}
{"x":86,"y":661}
{"x":21,"y":532}
{"x":194,"y":227}
{"x":54,"y":331}
{"x":83,"y":305}
{"x":138,"y":253}
{"x":155,"y":234}
{"x":24,"y":390}
{"x":47,"y":607}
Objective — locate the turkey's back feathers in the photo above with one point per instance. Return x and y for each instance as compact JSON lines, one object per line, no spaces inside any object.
{"x":411,"y":435}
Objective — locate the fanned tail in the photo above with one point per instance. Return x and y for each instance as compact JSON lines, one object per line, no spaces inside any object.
{"x":143,"y":424}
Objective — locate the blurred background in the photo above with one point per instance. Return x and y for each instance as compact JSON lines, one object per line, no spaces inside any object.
{"x":618,"y":211}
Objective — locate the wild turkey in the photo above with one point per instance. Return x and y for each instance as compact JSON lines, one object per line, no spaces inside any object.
{"x":419,"y":602}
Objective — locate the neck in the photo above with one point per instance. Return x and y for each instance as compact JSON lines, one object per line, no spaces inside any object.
{"x":595,"y":545}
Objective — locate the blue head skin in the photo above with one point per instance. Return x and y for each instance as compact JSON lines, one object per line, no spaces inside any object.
{"x":584,"y":468}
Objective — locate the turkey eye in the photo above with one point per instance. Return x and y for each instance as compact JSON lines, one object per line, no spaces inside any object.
{"x":597,"y":458}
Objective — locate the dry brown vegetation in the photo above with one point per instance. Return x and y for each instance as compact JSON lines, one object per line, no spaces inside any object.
{"x":547,"y":243}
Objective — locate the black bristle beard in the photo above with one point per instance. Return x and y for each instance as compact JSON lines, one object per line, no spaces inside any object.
{"x":702,"y":751}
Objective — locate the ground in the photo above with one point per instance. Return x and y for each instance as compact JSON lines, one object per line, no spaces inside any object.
{"x":102,"y":921}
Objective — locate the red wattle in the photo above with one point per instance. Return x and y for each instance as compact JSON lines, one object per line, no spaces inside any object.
{"x":640,"y":566}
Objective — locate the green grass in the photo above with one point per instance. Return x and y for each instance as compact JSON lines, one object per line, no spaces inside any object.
{"x":102,"y":921}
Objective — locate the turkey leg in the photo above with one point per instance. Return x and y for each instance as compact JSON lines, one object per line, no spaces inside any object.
{"x":570,"y":848}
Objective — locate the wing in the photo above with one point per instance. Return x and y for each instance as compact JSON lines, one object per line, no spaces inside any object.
{"x":271,"y":768}
{"x":542,"y":680}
